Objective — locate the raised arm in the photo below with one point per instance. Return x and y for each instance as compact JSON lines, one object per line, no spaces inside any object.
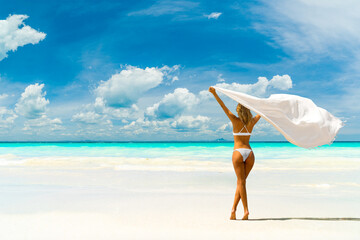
{"x":256,"y":118}
{"x":230,"y":115}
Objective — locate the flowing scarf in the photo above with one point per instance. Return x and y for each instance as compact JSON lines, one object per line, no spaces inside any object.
{"x":297,"y":118}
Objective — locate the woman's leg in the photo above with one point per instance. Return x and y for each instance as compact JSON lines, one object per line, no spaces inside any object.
{"x":242,"y":170}
{"x":249,"y":163}
{"x":236,"y":200}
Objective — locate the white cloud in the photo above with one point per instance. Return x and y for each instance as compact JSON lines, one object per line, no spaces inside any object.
{"x":43,"y":121}
{"x":173,"y":104}
{"x":32,"y":103}
{"x":259,"y":88}
{"x":7,"y":117}
{"x":119,"y":113}
{"x":175,"y":78}
{"x":213,"y":15}
{"x":306,"y":26}
{"x":100,"y":114}
{"x":143,"y":125}
{"x":14,"y":33}
{"x":220,"y":78}
{"x":170,"y":73}
{"x":166,"y":7}
{"x":167,"y":126}
{"x":99,"y":104}
{"x":185,"y":123}
{"x":125,"y":88}
{"x":281,"y":82}
{"x":3,"y":96}
{"x":90,"y":117}
{"x":205,"y":95}
{"x":33,"y":106}
{"x":263,"y":128}
{"x":116,"y":97}
{"x":225,"y":127}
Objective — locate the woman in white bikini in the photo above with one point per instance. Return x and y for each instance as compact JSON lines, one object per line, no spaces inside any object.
{"x":243,"y":157}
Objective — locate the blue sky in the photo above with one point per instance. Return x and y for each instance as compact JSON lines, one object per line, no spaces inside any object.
{"x":139,"y":70}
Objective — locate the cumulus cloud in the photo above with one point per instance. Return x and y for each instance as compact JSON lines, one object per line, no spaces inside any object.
{"x":32,"y":103}
{"x":168,"y":126}
{"x":144,"y":125}
{"x":226,"y":127}
{"x":41,"y":122}
{"x":125,"y":88}
{"x":204,"y":95}
{"x":263,"y":128}
{"x":213,"y":15}
{"x":99,"y":113}
{"x":173,"y":104}
{"x":7,"y":117}
{"x":116,"y":97}
{"x":185,"y":123}
{"x":281,"y":82}
{"x":259,"y":88}
{"x":90,"y":117}
{"x":14,"y":33}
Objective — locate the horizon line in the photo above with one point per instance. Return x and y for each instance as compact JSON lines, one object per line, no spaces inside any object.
{"x":169,"y":141}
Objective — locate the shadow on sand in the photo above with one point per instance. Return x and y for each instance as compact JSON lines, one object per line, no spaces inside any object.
{"x":304,"y":218}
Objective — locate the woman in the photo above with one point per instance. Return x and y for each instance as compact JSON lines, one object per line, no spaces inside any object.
{"x":243,"y":157}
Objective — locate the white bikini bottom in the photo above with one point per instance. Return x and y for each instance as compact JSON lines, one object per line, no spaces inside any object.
{"x":244,"y":152}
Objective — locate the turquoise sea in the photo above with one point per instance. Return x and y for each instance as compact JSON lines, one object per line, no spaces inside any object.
{"x":188,"y":151}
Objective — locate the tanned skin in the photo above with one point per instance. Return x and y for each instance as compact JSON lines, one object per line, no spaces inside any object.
{"x":242,"y":169}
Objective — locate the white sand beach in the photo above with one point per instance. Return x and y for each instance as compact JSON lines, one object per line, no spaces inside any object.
{"x":71,"y":198}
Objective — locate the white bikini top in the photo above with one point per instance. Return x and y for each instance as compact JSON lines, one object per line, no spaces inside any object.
{"x":243,"y":133}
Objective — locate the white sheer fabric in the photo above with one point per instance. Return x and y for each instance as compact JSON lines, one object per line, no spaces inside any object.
{"x":297,"y":118}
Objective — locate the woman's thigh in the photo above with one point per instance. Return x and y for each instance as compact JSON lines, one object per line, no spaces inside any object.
{"x":249,"y":163}
{"x":239,"y":165}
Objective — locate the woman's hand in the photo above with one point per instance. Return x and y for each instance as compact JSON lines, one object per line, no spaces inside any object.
{"x":212,"y":90}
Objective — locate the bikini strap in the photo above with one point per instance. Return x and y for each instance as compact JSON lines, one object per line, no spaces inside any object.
{"x":244,"y":127}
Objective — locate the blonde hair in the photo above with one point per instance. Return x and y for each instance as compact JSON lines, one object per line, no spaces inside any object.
{"x":244,"y":114}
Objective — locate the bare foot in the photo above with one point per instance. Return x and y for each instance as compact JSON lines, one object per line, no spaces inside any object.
{"x":246,"y":216}
{"x":233,"y":215}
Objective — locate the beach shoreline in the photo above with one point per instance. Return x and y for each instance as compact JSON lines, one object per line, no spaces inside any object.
{"x":64,"y":194}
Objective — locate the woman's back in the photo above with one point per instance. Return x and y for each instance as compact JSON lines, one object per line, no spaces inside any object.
{"x":242,"y":132}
